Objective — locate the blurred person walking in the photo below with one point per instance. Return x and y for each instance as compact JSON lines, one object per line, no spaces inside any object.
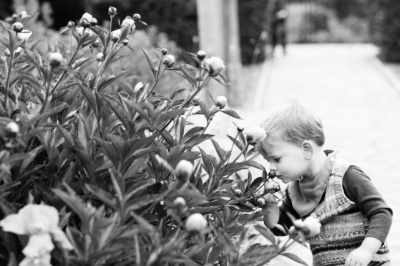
{"x":276,"y":22}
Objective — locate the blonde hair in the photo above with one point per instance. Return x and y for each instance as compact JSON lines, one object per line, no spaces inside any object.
{"x":294,"y":124}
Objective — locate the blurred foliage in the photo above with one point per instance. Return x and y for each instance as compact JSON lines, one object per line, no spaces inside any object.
{"x":253,"y":21}
{"x":385,"y":27}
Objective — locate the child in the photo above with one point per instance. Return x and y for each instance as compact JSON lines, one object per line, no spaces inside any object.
{"x":355,"y":219}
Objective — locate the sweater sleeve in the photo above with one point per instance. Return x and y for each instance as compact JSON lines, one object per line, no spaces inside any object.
{"x":359,"y":189}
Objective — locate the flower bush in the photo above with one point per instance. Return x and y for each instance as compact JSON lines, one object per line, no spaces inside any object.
{"x":117,"y":166}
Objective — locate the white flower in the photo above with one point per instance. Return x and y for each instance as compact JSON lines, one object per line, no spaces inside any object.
{"x":24,"y":35}
{"x":183,"y":170}
{"x":40,"y":222}
{"x":196,"y":223}
{"x":215,"y":64}
{"x":43,"y":260}
{"x":255,"y":134}
{"x":85,"y":20}
{"x":55,"y":59}
{"x":115,"y":35}
{"x":221,"y":101}
{"x":128,"y":22}
{"x":169,"y":60}
{"x":81,"y":30}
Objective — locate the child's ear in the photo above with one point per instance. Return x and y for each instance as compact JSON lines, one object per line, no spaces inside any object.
{"x":308,"y":149}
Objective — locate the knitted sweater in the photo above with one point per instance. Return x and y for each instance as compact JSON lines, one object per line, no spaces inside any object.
{"x":343,"y":225}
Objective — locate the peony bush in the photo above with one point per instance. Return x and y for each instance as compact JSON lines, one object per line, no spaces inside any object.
{"x":96,"y":169}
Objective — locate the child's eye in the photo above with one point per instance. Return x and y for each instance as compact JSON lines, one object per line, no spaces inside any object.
{"x":277,"y":159}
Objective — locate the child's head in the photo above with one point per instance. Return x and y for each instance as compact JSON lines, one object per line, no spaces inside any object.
{"x":293,"y":134}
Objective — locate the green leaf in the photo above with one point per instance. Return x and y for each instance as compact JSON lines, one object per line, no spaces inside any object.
{"x":231,"y":113}
{"x":187,"y":71}
{"x":150,"y":62}
{"x":220,"y":151}
{"x":266,"y":233}
{"x":294,"y":257}
{"x":90,"y":97}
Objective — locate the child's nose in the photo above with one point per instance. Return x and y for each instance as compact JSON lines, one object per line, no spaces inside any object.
{"x":272,"y":167}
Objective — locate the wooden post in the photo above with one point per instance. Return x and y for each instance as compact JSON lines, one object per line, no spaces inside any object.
{"x":219,"y":36}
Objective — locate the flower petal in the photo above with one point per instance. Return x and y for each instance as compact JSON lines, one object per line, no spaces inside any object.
{"x":14,"y":223}
{"x":61,"y":238}
{"x":38,"y":245}
{"x":39,"y":261}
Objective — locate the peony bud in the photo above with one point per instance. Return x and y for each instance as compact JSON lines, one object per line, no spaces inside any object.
{"x":261,"y":202}
{"x":240,"y":128}
{"x":138,"y":86}
{"x":137,"y":17}
{"x":128,"y":22}
{"x":238,"y":193}
{"x":183,"y":170}
{"x":313,"y":225}
{"x":272,"y":174}
{"x":164,"y":51}
{"x":85,"y":20}
{"x":271,"y":187}
{"x":196,"y":223}
{"x":196,"y":100}
{"x":216,"y":65}
{"x":125,"y":42}
{"x":100,"y":57}
{"x":23,"y":14}
{"x":18,"y":51}
{"x":201,"y":55}
{"x":112,"y":11}
{"x":93,"y":22}
{"x":7,"y":53}
{"x":24,"y":35}
{"x":179,"y":204}
{"x":55,"y":59}
{"x":221,"y":102}
{"x":115,"y":35}
{"x":12,"y":129}
{"x":169,"y":60}
{"x":310,"y":227}
{"x":71,"y":24}
{"x":18,"y":27}
{"x":255,"y":135}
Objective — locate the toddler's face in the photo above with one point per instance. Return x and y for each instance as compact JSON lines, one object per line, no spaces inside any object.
{"x":286,"y":159}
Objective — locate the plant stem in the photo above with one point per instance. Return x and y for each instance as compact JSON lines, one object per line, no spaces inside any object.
{"x":233,"y":143}
{"x":155,"y":83}
{"x":10,"y":65}
{"x":65,"y":71}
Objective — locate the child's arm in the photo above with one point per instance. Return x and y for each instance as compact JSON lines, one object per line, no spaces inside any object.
{"x":359,"y":188}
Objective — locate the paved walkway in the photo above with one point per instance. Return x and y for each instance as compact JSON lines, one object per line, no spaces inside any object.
{"x":358,"y":100}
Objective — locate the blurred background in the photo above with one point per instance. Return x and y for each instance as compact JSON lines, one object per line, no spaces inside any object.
{"x":242,"y":32}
